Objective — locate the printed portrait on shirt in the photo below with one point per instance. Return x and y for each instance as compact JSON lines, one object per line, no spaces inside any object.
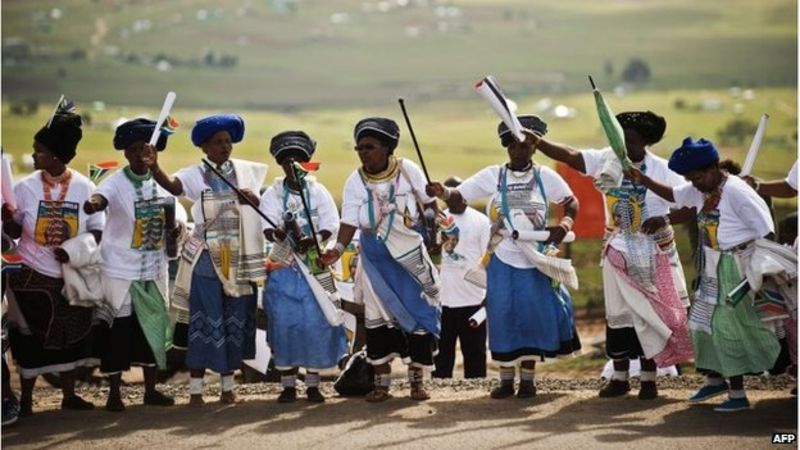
{"x":56,"y":221}
{"x":148,"y":228}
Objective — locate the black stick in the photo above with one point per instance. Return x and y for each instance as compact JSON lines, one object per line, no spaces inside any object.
{"x":303,"y":184}
{"x":591,"y":81}
{"x":414,"y":139}
{"x":240,"y":193}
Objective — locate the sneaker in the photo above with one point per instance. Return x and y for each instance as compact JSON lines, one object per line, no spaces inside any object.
{"x":707,"y":392}
{"x":734,"y":404}
{"x":10,"y":410}
{"x":314,"y":395}
{"x":615,"y":388}
{"x":156,"y":398}
{"x":288,"y":395}
{"x":526,"y":389}
{"x":648,"y":390}
{"x":502,"y":391}
{"x":76,"y":403}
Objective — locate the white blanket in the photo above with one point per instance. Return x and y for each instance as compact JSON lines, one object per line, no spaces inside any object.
{"x":82,"y":282}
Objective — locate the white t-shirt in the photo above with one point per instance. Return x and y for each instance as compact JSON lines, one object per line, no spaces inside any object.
{"x":133,"y":246}
{"x":523,"y":194}
{"x":461,"y":251}
{"x":324,"y":214}
{"x":743,"y":215}
{"x":355,"y":205}
{"x":791,"y":179}
{"x":40,"y":232}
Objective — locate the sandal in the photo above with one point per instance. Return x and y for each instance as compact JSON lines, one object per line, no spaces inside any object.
{"x":196,"y":400}
{"x":229,"y":397}
{"x":418,"y":392}
{"x":378,"y":395}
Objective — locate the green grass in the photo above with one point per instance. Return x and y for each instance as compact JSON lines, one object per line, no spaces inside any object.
{"x":302,"y":60}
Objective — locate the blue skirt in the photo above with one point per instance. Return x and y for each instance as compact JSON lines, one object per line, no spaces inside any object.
{"x":526,"y":316}
{"x":298,"y":333}
{"x":400,"y":293}
{"x":222,"y":329}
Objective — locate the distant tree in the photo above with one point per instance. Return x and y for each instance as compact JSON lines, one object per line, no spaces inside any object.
{"x":608,"y":69}
{"x":637,"y":71}
{"x":78,"y":54}
{"x":679,"y":104}
{"x":736,"y":132}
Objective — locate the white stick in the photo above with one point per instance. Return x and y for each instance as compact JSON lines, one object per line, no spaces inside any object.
{"x":534,"y":235}
{"x":55,"y":110}
{"x":8,"y":185}
{"x":489,"y":89}
{"x":747,"y":167}
{"x":162,"y":116}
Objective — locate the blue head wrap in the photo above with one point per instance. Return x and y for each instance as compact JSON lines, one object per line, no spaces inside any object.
{"x":208,"y":126}
{"x":136,"y":130}
{"x":693,"y":155}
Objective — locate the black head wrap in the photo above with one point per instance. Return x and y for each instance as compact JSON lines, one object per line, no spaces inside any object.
{"x":452,"y":182}
{"x":383,"y":129}
{"x":62,"y":136}
{"x":137,"y":130}
{"x":649,"y":125}
{"x":530,"y":122}
{"x":292,"y":143}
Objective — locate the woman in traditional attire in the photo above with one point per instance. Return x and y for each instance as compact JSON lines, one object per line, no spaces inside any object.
{"x":529,"y":314}
{"x":643,"y":282}
{"x":47,"y":333}
{"x":395,"y":279}
{"x":729,"y":338}
{"x":222,"y":259}
{"x":134,"y":267}
{"x":304,"y":326}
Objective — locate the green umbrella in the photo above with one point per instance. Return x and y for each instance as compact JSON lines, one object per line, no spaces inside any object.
{"x":612,"y":128}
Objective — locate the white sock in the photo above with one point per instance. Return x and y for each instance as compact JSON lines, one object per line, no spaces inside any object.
{"x":288,"y":381}
{"x":526,"y":374}
{"x":195,"y":386}
{"x":647,"y":376}
{"x":620,"y":375}
{"x":736,"y":393}
{"x":312,"y":379}
{"x":713,"y":381}
{"x":506,"y":375}
{"x":227,"y":383}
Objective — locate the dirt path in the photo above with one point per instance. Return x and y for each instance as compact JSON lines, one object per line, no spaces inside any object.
{"x":456,"y":417}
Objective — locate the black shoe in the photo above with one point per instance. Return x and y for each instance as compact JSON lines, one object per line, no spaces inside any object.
{"x":314,"y":395}
{"x":526,"y":389}
{"x":114,"y":404}
{"x":288,"y":395}
{"x":156,"y":398}
{"x":648,"y":390}
{"x":25,"y":408}
{"x":502,"y":391}
{"x":76,"y":403}
{"x":793,"y":392}
{"x":615,"y":388}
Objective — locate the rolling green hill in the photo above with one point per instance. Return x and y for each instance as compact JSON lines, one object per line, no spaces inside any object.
{"x":284,"y":55}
